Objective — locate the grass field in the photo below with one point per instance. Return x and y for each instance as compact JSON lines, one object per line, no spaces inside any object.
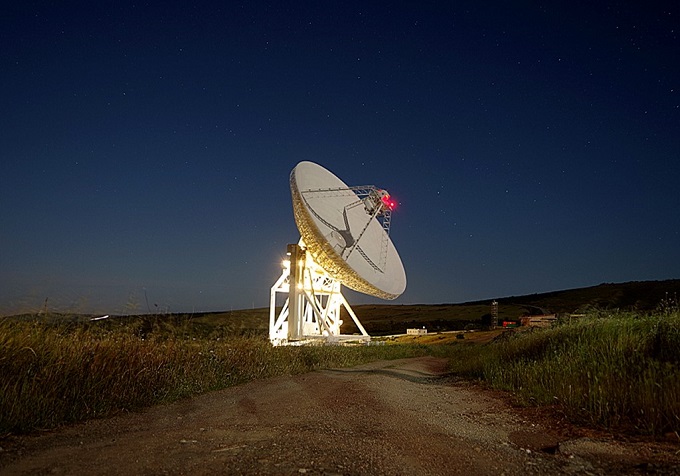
{"x":59,"y":373}
{"x":617,"y":370}
{"x":610,"y":368}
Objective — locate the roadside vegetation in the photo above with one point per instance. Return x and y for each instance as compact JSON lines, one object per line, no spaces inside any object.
{"x":614,"y":370}
{"x":611,"y":369}
{"x":58,"y":373}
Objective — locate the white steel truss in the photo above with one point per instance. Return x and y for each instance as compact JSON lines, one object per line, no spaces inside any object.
{"x":311,"y":311}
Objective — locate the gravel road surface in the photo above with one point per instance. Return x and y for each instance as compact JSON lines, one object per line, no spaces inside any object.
{"x":389,"y":417}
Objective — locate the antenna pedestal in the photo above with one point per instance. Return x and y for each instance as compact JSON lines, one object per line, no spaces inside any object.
{"x":311,"y":311}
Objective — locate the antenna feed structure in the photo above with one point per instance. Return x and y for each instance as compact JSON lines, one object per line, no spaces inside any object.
{"x":378,"y":201}
{"x":344,"y":241}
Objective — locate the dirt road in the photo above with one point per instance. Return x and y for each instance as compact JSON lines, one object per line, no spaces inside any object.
{"x":395,"y":417}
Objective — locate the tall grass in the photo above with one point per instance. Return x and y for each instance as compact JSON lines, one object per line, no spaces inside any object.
{"x":614,"y":370}
{"x":57,"y":374}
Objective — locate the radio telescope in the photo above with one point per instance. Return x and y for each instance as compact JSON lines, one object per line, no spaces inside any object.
{"x":344,"y":240}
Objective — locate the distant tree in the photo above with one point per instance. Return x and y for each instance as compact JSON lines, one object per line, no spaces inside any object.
{"x":487,"y":321}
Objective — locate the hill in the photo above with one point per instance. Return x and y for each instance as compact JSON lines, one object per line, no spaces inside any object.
{"x":641,"y":296}
{"x":382,"y":319}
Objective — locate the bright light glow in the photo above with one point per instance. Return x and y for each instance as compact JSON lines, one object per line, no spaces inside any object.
{"x":388,"y":202}
{"x":285,"y":263}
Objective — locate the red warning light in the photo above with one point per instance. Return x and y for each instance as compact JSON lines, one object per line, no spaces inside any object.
{"x":388,"y":202}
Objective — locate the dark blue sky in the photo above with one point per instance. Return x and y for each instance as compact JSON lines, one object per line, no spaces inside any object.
{"x":146,"y":147}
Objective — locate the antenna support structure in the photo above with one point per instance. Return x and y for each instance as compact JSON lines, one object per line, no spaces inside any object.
{"x":311,"y":312}
{"x":344,"y":241}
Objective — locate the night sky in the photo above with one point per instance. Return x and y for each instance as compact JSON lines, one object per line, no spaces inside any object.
{"x":146,"y":147}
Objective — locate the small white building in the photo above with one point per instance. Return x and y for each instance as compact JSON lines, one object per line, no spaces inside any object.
{"x":416,"y":332}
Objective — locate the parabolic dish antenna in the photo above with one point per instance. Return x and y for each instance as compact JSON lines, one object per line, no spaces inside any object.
{"x":344,"y":240}
{"x":342,"y":231}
